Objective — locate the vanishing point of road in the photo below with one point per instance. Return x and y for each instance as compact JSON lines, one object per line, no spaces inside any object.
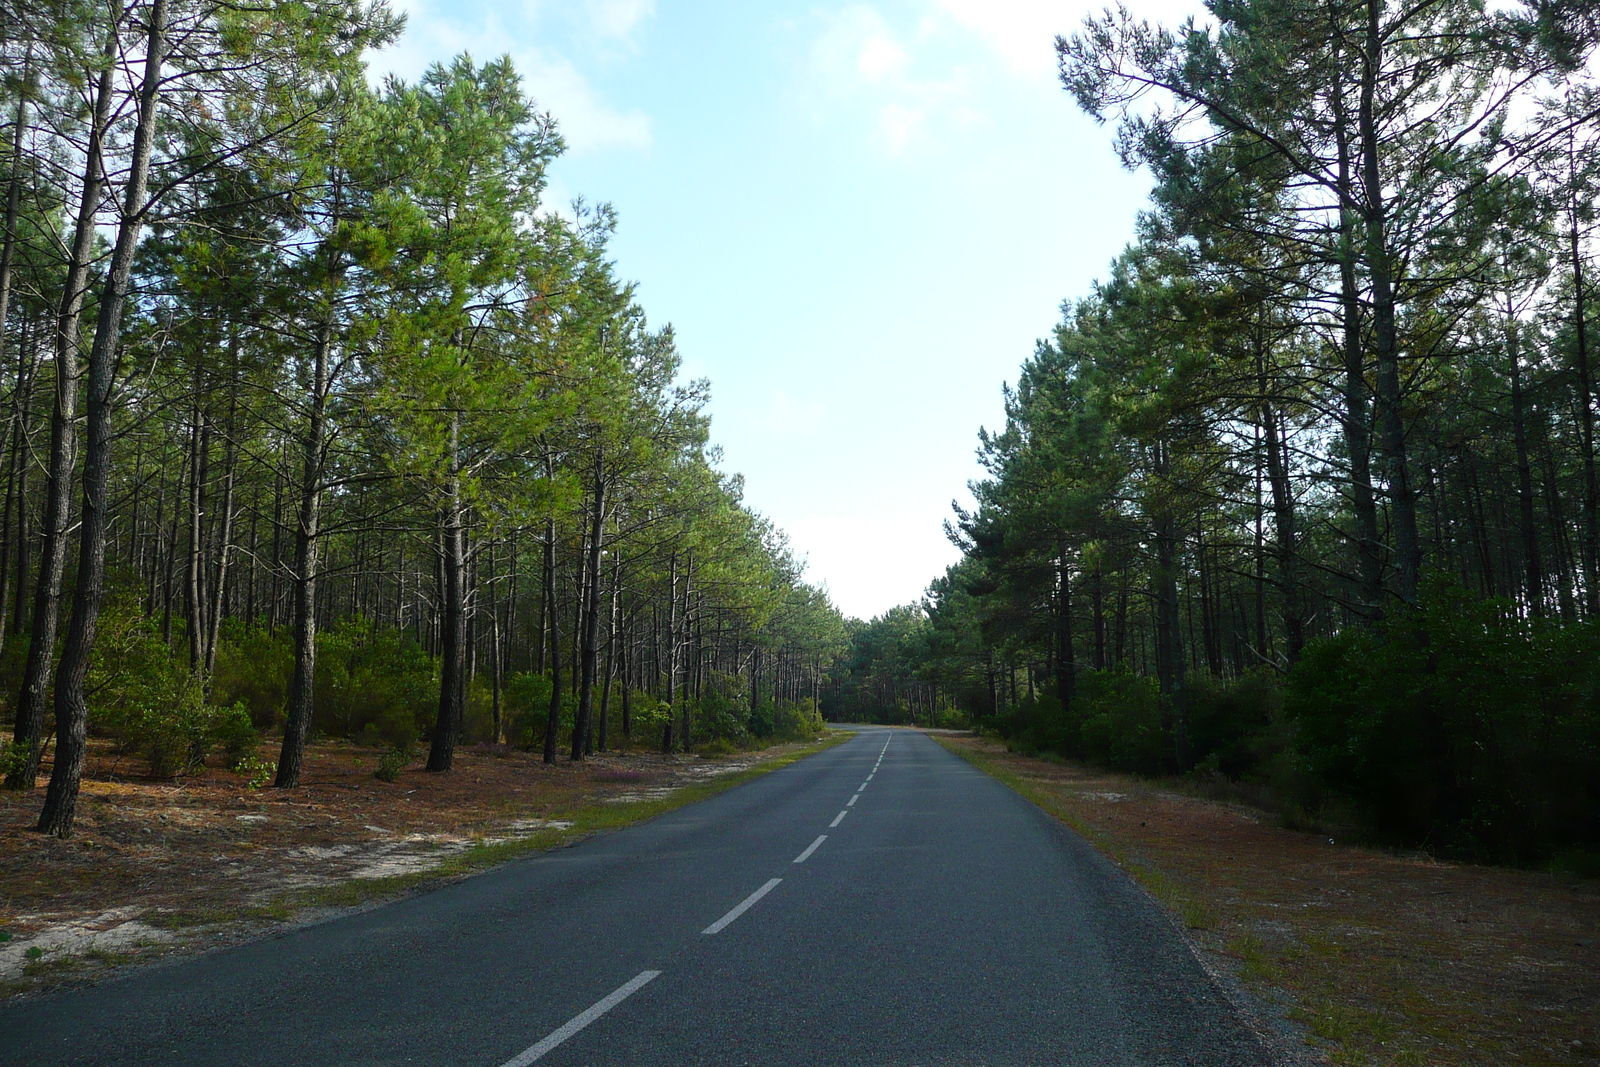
{"x":881,"y":902}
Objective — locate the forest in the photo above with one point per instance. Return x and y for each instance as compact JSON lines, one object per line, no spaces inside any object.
{"x":319,"y":422}
{"x":1301,"y":501}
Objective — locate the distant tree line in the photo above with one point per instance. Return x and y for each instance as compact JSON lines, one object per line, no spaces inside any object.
{"x":316,"y":419}
{"x":1303,"y":497}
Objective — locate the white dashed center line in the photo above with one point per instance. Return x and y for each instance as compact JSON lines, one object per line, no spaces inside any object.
{"x":852,"y":801}
{"x":578,"y":1022}
{"x":811,"y":848}
{"x":743,"y":906}
{"x":837,"y":819}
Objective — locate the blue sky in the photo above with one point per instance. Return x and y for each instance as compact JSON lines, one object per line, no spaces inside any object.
{"x":858,"y":217}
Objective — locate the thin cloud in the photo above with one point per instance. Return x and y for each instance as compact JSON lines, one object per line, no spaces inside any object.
{"x":437,"y":32}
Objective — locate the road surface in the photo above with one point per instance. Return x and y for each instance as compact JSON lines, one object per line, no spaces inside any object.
{"x":881,"y":902}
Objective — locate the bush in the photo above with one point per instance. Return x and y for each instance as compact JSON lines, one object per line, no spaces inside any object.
{"x":797,"y":722}
{"x":12,"y":757}
{"x":526,"y":707}
{"x":391,"y":764}
{"x":256,"y":772}
{"x":1457,"y":727}
{"x":1120,"y":721}
{"x":718,"y":748}
{"x":720,"y":718}
{"x":140,"y":695}
{"x":253,"y":668}
{"x":376,"y":685}
{"x":1235,"y":726}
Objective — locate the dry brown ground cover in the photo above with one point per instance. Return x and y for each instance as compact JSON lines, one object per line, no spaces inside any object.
{"x":1376,"y":957}
{"x":159,"y":865}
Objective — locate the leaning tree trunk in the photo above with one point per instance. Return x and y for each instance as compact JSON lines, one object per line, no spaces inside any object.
{"x":1169,"y":632}
{"x":611,"y":652}
{"x":1066,"y":662}
{"x":1284,"y":518}
{"x":672,"y":654}
{"x":72,"y":709}
{"x":686,"y":706}
{"x":56,"y":520}
{"x":1591,"y":481}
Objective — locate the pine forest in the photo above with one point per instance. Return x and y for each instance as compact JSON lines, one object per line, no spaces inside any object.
{"x":320,"y":422}
{"x":1301,"y":499}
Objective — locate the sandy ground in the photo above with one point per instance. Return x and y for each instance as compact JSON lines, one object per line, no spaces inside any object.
{"x":1375,"y":957}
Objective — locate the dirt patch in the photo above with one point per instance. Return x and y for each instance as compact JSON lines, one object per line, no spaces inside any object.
{"x":158,"y":865}
{"x":1376,"y":957}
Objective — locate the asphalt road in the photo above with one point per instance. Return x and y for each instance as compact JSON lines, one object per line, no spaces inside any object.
{"x":943,"y":920}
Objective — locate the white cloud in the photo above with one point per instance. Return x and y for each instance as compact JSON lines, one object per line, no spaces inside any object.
{"x":1022,"y":32}
{"x":586,"y":120}
{"x":617,"y":18}
{"x":436,"y":31}
{"x":858,"y":62}
{"x":881,"y":58}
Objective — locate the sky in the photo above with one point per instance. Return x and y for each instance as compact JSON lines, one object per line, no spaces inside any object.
{"x":859,"y":218}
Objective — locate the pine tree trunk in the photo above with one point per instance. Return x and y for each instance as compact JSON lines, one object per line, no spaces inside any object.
{"x":1386,"y":344}
{"x":1066,"y":663}
{"x":591,"y":613}
{"x":1354,"y":421}
{"x":452,"y":618}
{"x":1533,"y":565}
{"x":57,"y":516}
{"x":1169,"y":635}
{"x":72,"y":709}
{"x":553,"y":630}
{"x":307,"y":564}
{"x":611,"y":651}
{"x":672,"y":655}
{"x":1591,"y":481}
{"x":194,"y":569}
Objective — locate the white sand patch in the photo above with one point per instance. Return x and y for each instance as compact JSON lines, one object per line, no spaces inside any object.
{"x":655,"y":793}
{"x":111,"y":931}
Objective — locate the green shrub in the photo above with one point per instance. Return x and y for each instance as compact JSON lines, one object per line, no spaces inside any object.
{"x":377,"y":685}
{"x":797,"y":722}
{"x":1458,"y":727}
{"x":1120,"y":723}
{"x":718,"y":748}
{"x":391,"y":764}
{"x":717,"y":717}
{"x":1234,"y":723}
{"x":253,"y":668}
{"x":12,"y":757}
{"x":143,"y":697}
{"x":256,"y":771}
{"x":526,"y":707}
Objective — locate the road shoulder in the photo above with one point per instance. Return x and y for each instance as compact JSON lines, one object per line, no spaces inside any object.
{"x":1343,"y":954}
